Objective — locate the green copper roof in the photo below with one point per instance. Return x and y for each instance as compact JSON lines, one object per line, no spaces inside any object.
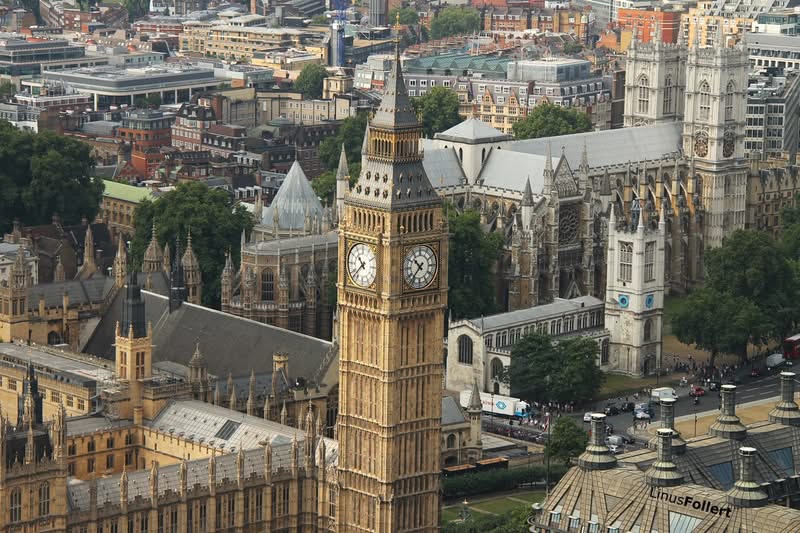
{"x":127,"y":193}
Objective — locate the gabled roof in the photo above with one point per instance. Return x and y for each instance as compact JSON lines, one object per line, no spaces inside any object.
{"x":609,"y":147}
{"x":294,"y":200}
{"x":472,"y":131}
{"x":395,"y":110}
{"x":511,"y":170}
{"x":442,"y":167}
{"x":176,"y":334}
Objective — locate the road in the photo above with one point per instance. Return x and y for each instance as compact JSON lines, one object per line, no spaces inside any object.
{"x":750,"y":390}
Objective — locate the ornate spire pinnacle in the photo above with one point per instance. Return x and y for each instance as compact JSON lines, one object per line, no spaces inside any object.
{"x":527,"y":196}
{"x":343,"y":171}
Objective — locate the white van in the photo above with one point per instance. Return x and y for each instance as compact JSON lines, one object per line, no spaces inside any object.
{"x":656,"y":395}
{"x":775,"y":360}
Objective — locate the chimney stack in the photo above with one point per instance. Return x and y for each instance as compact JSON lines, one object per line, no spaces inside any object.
{"x":597,"y":455}
{"x":664,"y":472}
{"x":728,"y":425}
{"x":668,"y":422}
{"x":746,"y":492}
{"x":786,"y":411}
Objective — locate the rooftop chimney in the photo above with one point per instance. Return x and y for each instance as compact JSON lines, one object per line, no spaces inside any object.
{"x":664,"y":473}
{"x":728,"y":425}
{"x":786,"y":411}
{"x":746,"y":492}
{"x":597,"y":455}
{"x":668,"y":422}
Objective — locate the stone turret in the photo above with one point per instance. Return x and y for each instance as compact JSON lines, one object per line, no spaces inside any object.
{"x":89,"y":266}
{"x":152,"y":256}
{"x":786,"y":411}
{"x":120,"y":267}
{"x":746,"y":492}
{"x":597,"y":455}
{"x":193,"y":276}
{"x":251,"y":394}
{"x":198,"y":376}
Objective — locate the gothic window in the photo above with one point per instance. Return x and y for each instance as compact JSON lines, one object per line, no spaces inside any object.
{"x":451,"y":441}
{"x":464,"y":350}
{"x":649,"y":261}
{"x":497,"y":369}
{"x":604,"y":353}
{"x":643,"y":94}
{"x":626,"y":261}
{"x":15,"y":505}
{"x":267,"y":285}
{"x":729,"y":101}
{"x":648,"y":329}
{"x":44,"y":499}
{"x":668,"y":95}
{"x":488,"y":341}
{"x":705,"y":101}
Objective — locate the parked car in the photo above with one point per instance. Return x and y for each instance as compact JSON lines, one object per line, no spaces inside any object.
{"x":697,"y":390}
{"x":627,"y":439}
{"x":646,"y":407}
{"x":611,"y":409}
{"x":755,"y":373}
{"x":627,"y":407}
{"x":642,"y":415}
{"x":587,"y":417}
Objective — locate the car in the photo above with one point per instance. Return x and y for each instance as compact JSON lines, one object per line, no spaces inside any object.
{"x":697,"y":390}
{"x":646,"y":407}
{"x":587,"y":417}
{"x":627,"y":439}
{"x":611,"y":410}
{"x":627,"y":407}
{"x":615,"y":448}
{"x":642,"y":415}
{"x":714,"y":385}
{"x":755,"y":373}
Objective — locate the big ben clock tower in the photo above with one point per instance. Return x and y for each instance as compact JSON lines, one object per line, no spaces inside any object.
{"x":392,"y":293}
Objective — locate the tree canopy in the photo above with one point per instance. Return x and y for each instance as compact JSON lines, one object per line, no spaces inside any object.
{"x":513,"y":521}
{"x":455,"y":21}
{"x":215,"y":225}
{"x":7,"y":89}
{"x":310,"y":80}
{"x":408,"y":16}
{"x":548,"y":120}
{"x":351,"y":134}
{"x":750,"y":294}
{"x":566,"y":440}
{"x":543,"y":370}
{"x":437,"y":109}
{"x":45,"y":173}
{"x":472,"y":257}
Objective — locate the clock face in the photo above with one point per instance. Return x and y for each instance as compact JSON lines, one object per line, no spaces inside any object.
{"x":624,"y":301}
{"x":701,"y":145}
{"x":728,"y":144}
{"x":419,"y":266}
{"x":362,"y":265}
{"x":649,"y":301}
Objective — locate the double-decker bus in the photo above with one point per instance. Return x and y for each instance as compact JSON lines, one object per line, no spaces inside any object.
{"x":791,"y":347}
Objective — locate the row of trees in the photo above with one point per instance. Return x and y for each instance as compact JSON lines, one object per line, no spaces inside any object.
{"x":751,"y":293}
{"x":45,"y":173}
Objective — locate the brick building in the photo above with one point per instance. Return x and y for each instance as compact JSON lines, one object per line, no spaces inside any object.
{"x":645,"y":23}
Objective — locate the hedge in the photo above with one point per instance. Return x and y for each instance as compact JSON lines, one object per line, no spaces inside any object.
{"x":498,"y":480}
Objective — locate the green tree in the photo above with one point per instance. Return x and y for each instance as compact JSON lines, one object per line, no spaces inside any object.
{"x":438,"y":110}
{"x":573,"y":48}
{"x":215,"y":225}
{"x":545,"y":371}
{"x":319,"y":20}
{"x":351,"y":134}
{"x":790,"y":215}
{"x":7,"y":89}
{"x":513,"y":521}
{"x":325,"y":184}
{"x":310,"y":80}
{"x":45,"y":173}
{"x":136,"y":8}
{"x":548,"y":120}
{"x":408,"y":16}
{"x":472,"y":257}
{"x":566,"y":440}
{"x":719,"y":322}
{"x":455,"y":21}
{"x":751,"y":265}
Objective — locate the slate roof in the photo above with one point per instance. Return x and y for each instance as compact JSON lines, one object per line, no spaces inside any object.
{"x":510,"y":170}
{"x":472,"y":131}
{"x":204,"y":421}
{"x":524,"y":316}
{"x":295,"y":198}
{"x":304,"y":243}
{"x":68,"y":370}
{"x":609,"y":147}
{"x":395,"y":110}
{"x":442,"y":167}
{"x":81,"y":292}
{"x":451,"y":411}
{"x":229,"y":343}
